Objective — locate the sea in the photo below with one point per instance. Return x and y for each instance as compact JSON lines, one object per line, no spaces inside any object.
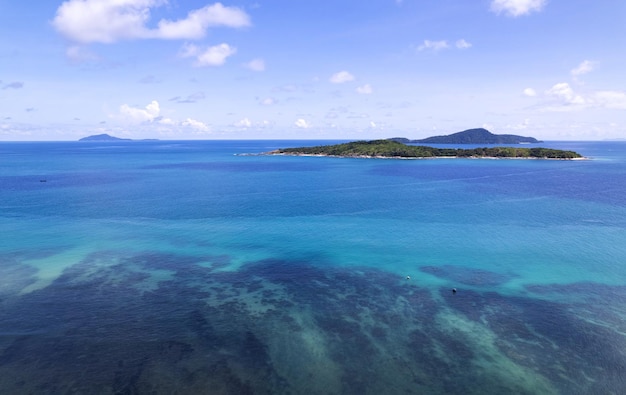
{"x":206,"y":267}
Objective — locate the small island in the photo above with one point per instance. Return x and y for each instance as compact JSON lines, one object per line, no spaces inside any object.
{"x":394,"y":149}
{"x":108,"y":137}
{"x":472,"y":136}
{"x":102,"y":137}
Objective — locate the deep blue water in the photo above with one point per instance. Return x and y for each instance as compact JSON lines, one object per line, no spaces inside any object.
{"x":186,"y":267}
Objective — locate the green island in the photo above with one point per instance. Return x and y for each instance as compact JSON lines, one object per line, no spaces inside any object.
{"x":394,"y":149}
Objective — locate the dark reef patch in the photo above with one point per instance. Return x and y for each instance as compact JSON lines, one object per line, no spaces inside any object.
{"x":466,"y":275}
{"x":108,"y":325}
{"x":552,"y":338}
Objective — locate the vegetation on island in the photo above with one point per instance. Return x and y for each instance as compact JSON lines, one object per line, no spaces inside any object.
{"x":394,"y":149}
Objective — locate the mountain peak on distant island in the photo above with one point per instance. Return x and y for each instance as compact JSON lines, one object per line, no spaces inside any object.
{"x":102,"y":137}
{"x":473,"y":136}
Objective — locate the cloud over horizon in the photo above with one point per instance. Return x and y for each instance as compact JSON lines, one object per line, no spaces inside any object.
{"x":365,"y":89}
{"x":255,"y":65}
{"x":341,"y":77}
{"x":583,"y":68}
{"x":106,"y":22}
{"x":210,"y":56}
{"x":515,"y":8}
{"x":302,"y":124}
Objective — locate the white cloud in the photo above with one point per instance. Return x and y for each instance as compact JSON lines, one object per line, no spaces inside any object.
{"x":434,"y":45}
{"x":211,"y":56}
{"x":570,"y":100}
{"x":256,"y":65}
{"x":530,"y":92}
{"x":198,"y":21}
{"x":106,"y":21}
{"x":583,"y":68}
{"x":517,"y":8}
{"x":341,"y":77}
{"x":564,"y":92}
{"x":166,"y":121}
{"x":268,"y":101}
{"x":197,"y":125}
{"x":462,"y":44}
{"x":301,"y":123}
{"x":147,"y":114}
{"x":244,"y":123}
{"x":610,"y":99}
{"x":365,"y":89}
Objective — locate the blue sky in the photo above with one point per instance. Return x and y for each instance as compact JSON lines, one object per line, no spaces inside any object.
{"x":344,"y":69}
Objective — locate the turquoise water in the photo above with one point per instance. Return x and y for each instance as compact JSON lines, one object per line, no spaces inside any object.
{"x":177,"y":266}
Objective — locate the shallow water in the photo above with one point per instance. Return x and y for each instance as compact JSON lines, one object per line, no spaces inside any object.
{"x":161,"y":267}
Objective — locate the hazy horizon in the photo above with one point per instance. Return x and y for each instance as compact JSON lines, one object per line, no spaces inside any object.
{"x":317,"y":70}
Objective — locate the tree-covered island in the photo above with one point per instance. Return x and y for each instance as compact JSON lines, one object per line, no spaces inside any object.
{"x":394,"y":149}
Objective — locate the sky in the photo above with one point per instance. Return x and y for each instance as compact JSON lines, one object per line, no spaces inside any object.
{"x":299,"y":69}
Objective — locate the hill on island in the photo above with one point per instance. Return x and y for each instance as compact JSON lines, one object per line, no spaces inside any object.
{"x":102,"y":137}
{"x":472,"y":136}
{"x":108,"y":137}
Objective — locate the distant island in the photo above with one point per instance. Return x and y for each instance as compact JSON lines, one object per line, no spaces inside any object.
{"x":107,"y":137}
{"x":472,"y":136}
{"x":395,"y":149}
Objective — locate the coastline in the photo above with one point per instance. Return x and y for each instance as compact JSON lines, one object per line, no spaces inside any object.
{"x":278,"y":153}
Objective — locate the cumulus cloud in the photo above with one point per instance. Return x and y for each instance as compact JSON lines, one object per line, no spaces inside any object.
{"x":583,"y":68}
{"x":244,"y":123}
{"x":569,"y":100}
{"x":166,"y":121}
{"x":198,"y":21}
{"x":211,"y":56}
{"x":365,"y":89}
{"x":517,"y":8}
{"x":301,"y":123}
{"x":256,"y":65}
{"x":267,"y":101}
{"x":433,"y":45}
{"x":105,"y":21}
{"x":341,"y":77}
{"x":197,"y":125}
{"x":564,"y":92}
{"x":146,"y":114}
{"x":462,"y":44}
{"x":430,"y":45}
{"x":530,"y":92}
